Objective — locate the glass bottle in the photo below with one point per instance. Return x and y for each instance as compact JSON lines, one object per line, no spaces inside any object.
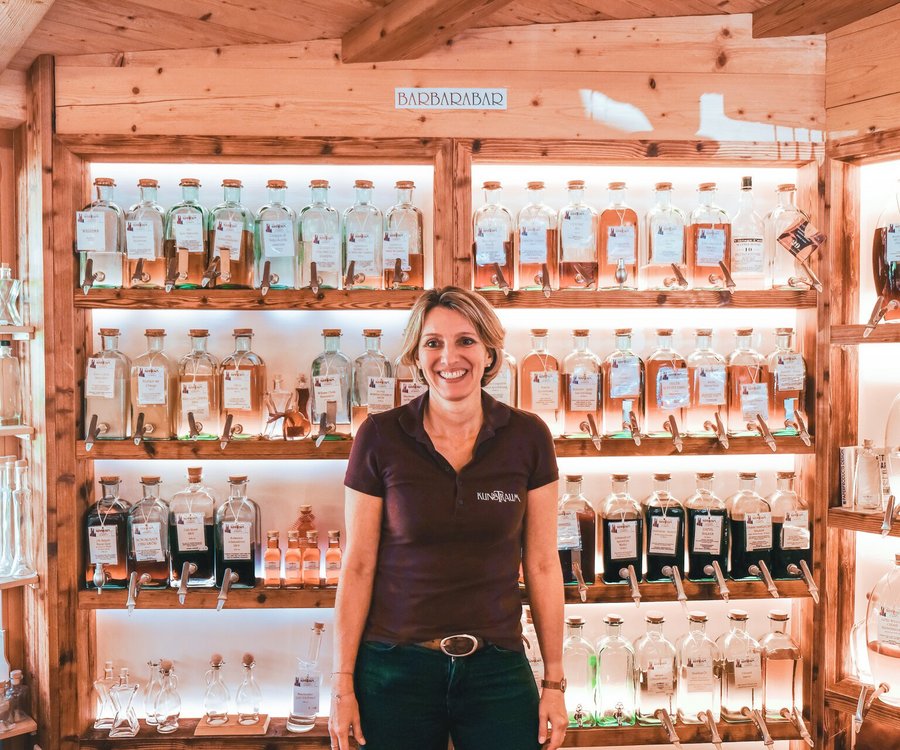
{"x":333,"y":559}
{"x":107,"y":395}
{"x":539,"y":390}
{"x":664,"y":519}
{"x":100,"y":239}
{"x":231,"y":239}
{"x":787,"y":383}
{"x":618,"y":241}
{"x":790,"y":527}
{"x":655,"y":668}
{"x":537,"y":237}
{"x":699,"y":676}
{"x":709,"y":241}
{"x":7,"y":518}
{"x":362,"y":227}
{"x":293,"y":561}
{"x":492,"y":250}
{"x":788,"y":272}
{"x":154,"y":389}
{"x":664,"y":246}
{"x":578,"y":225}
{"x":616,"y":696}
{"x":307,"y":683}
{"x":886,"y":254}
{"x":504,"y":385}
{"x":312,"y":561}
{"x":707,"y":530}
{"x":404,"y":241}
{"x":408,"y":383}
{"x":102,"y":686}
{"x":581,"y":368}
{"x":748,"y":387}
{"x":576,"y":533}
{"x":751,"y":267}
{"x":741,"y":668}
{"x":151,"y":691}
{"x":532,"y":647}
{"x":623,"y":388}
{"x":883,"y":633}
{"x":750,"y":525}
{"x":22,"y":562}
{"x":148,"y":540}
{"x":198,"y":391}
{"x":305,"y":521}
{"x":167,"y":706}
{"x":621,"y":519}
{"x":277,"y":241}
{"x":782,"y":668}
{"x":242,"y":378}
{"x":9,"y":297}
{"x":708,"y":377}
{"x":331,"y":375}
{"x":217,"y":698}
{"x":320,"y":238}
{"x":187,"y":236}
{"x":867,"y":483}
{"x":892,"y":446}
{"x":668,"y":386}
{"x":237,"y":535}
{"x":106,"y":532}
{"x":296,"y":424}
{"x":272,"y":561}
{"x":144,"y":239}
{"x":125,"y":723}
{"x":580,"y":668}
{"x":373,"y":382}
{"x":192,"y":537}
{"x":248,"y":697}
{"x":279,"y":402}
{"x":17,"y":696}
{"x":10,"y":386}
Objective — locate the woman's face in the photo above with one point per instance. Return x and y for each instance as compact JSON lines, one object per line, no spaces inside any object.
{"x":451,"y":355}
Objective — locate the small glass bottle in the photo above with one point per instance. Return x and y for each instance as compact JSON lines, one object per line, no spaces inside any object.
{"x":125,"y":723}
{"x":578,"y":226}
{"x":10,"y":386}
{"x":748,"y":387}
{"x":22,"y":559}
{"x":144,"y":229}
{"x":576,"y":534}
{"x":741,"y":669}
{"x":242,"y":380}
{"x":539,"y":390}
{"x":751,"y":266}
{"x":277,"y":241}
{"x":198,"y":391}
{"x":788,"y":272}
{"x":492,"y":249}
{"x":408,"y":383}
{"x":709,"y":241}
{"x":581,"y":368}
{"x":100,"y":239}
{"x":664,"y":246}
{"x":618,"y":241}
{"x":373,"y":381}
{"x":708,"y":376}
{"x":790,"y":527}
{"x":616,"y":695}
{"x":293,"y":561}
{"x":883,"y":633}
{"x":786,"y":372}
{"x":504,"y":386}
{"x":148,"y":539}
{"x":707,"y":530}
{"x":237,"y":535}
{"x":655,"y":667}
{"x":187,"y":236}
{"x":231,"y":240}
{"x":9,"y":297}
{"x":331,"y":376}
{"x":333,"y":559}
{"x":151,"y":691}
{"x":167,"y":706}
{"x":106,"y":532}
{"x":312,"y":561}
{"x":664,"y":520}
{"x":248,"y":697}
{"x":17,"y":696}
{"x":867,"y":484}
{"x":102,"y":686}
{"x":536,"y":234}
{"x":154,"y":390}
{"x":886,"y":254}
{"x":668,"y":386}
{"x":192,"y":537}
{"x":750,"y":525}
{"x":307,"y":683}
{"x":107,"y":394}
{"x":623,"y":389}
{"x":580,"y":667}
{"x":272,"y":561}
{"x":217,"y":698}
{"x":699,"y":675}
{"x":362,"y":228}
{"x":320,"y":238}
{"x":305,"y":521}
{"x":404,"y":241}
{"x":621,"y":519}
{"x":782,"y":668}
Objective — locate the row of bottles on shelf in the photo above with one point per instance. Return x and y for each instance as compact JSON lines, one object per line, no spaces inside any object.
{"x":886,"y":264}
{"x":230,"y":247}
{"x":704,"y":538}
{"x":576,"y":247}
{"x":15,"y":699}
{"x":192,"y":541}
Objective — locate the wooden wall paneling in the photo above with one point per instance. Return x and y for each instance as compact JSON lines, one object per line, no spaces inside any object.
{"x":444,"y":216}
{"x":12,"y":99}
{"x":18,"y":19}
{"x":797,"y":17}
{"x":462,"y":214}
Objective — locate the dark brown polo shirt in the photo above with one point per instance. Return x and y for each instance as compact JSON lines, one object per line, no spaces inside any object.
{"x":451,"y":544}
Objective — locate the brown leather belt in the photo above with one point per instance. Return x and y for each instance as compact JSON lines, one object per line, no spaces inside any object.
{"x":456,"y":646}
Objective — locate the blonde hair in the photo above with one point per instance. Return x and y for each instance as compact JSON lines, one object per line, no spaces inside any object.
{"x":473,"y":307}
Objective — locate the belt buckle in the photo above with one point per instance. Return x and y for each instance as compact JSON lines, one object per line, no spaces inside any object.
{"x":447,"y":645}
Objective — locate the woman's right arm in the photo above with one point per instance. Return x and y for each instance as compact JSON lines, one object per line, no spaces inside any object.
{"x":363,"y":522}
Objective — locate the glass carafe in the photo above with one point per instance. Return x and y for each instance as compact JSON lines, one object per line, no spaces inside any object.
{"x":576,"y":534}
{"x":125,"y":723}
{"x":307,"y":683}
{"x":217,"y":698}
{"x":277,"y":241}
{"x":751,"y":266}
{"x":167,"y":706}
{"x":154,"y":390}
{"x":883,"y":633}
{"x":616,"y":696}
{"x":750,"y":524}
{"x":741,"y":668}
{"x":231,"y":241}
{"x":655,"y":667}
{"x":144,"y":229}
{"x":10,"y":386}
{"x":788,"y":272}
{"x":748,"y":387}
{"x":664,"y":244}
{"x":107,"y":395}
{"x":248,"y":697}
{"x":237,"y":535}
{"x":504,"y":385}
{"x":9,"y":297}
{"x":186,"y":236}
{"x":786,"y":372}
{"x":151,"y":691}
{"x":699,"y":676}
{"x":708,"y":377}
{"x":782,"y":668}
{"x":106,"y":532}
{"x":373,"y":381}
{"x":539,"y":386}
{"x":331,"y":375}
{"x":148,"y":538}
{"x":790,"y":528}
{"x":362,"y":227}
{"x":192,"y":536}
{"x":198,"y":391}
{"x":664,"y":520}
{"x":320,"y":238}
{"x":105,"y":710}
{"x":100,"y":239}
{"x":408,"y":382}
{"x":492,"y":249}
{"x":709,"y":241}
{"x":621,"y":519}
{"x":707,"y":531}
{"x":581,"y":368}
{"x":618,"y":241}
{"x":537,"y":237}
{"x":23,"y":559}
{"x":242,"y":378}
{"x":668,"y":387}
{"x":623,"y":389}
{"x":279,"y":403}
{"x":580,"y":668}
{"x":578,"y":225}
{"x":296,"y":424}
{"x":404,"y":241}
{"x":886,"y":255}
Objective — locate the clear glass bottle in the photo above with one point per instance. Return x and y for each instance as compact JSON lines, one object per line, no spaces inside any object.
{"x":307,"y":683}
{"x":883,"y":633}
{"x":362,"y":227}
{"x":17,"y":694}
{"x":125,"y":723}
{"x":786,"y":372}
{"x":886,"y":254}
{"x":616,"y":695}
{"x":320,"y":238}
{"x":618,"y":230}
{"x":668,"y":386}
{"x":788,"y":272}
{"x":151,"y":691}
{"x":576,"y":533}
{"x":623,"y":388}
{"x":790,"y":527}
{"x":154,"y":389}
{"x":9,"y":297}
{"x":102,"y":686}
{"x":751,"y":267}
{"x":621,"y":519}
{"x":333,"y":559}
{"x":505,"y":385}
{"x":312,"y":561}
{"x":148,"y":538}
{"x":539,"y":386}
{"x":492,"y":249}
{"x":867,"y":483}
{"x":699,"y":675}
{"x":272,"y":561}
{"x":231,"y":240}
{"x":106,"y":532}
{"x":237,"y":535}
{"x":782,"y":668}
{"x":100,"y":239}
{"x":10,"y":386}
{"x":664,"y":244}
{"x":277,"y":241}
{"x":167,"y":706}
{"x":707,"y":530}
{"x":581,"y":368}
{"x":279,"y":402}
{"x":7,"y":517}
{"x":537,"y":239}
{"x":198,"y":391}
{"x":372,"y":381}
{"x":23,"y":559}
{"x":217,"y":698}
{"x":750,"y":525}
{"x":293,"y":561}
{"x":748,"y":386}
{"x":891,"y":445}
{"x":331,"y":375}
{"x":242,"y":379}
{"x":741,"y":668}
{"x":107,"y":392}
{"x":578,"y":225}
{"x":187,"y":235}
{"x":709,"y":241}
{"x":192,"y":537}
{"x":655,"y":668}
{"x":708,"y":377}
{"x":248,"y":697}
{"x":144,"y":230}
{"x":664,"y":520}
{"x":580,"y":668}
{"x":296,"y":424}
{"x":404,"y":241}
{"x":408,"y":382}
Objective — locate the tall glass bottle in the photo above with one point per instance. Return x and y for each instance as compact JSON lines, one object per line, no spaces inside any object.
{"x":664,"y":520}
{"x":668,"y":386}
{"x":23,"y":560}
{"x":504,"y":386}
{"x":187,"y":235}
{"x":790,"y":527}
{"x":699,"y":678}
{"x":741,"y":668}
{"x":362,"y":226}
{"x":248,"y":697}
{"x":231,"y":240}
{"x":144,"y":230}
{"x":867,"y":481}
{"x":102,"y":686}
{"x":373,"y":381}
{"x":307,"y":683}
{"x":751,"y":267}
{"x":198,"y":391}
{"x":536,"y":234}
{"x":331,"y":375}
{"x":125,"y":723}
{"x":782,"y":668}
{"x":578,"y":225}
{"x":621,"y":519}
{"x":709,"y":241}
{"x":707,"y":530}
{"x":576,"y":534}
{"x":277,"y":241}
{"x":148,"y":537}
{"x":748,"y":387}
{"x":7,"y":516}
{"x":787,"y":383}
{"x":167,"y":706}
{"x":618,"y":241}
{"x":320,"y":238}
{"x":788,"y":272}
{"x":581,"y":368}
{"x":192,"y":537}
{"x":10,"y":386}
{"x":242,"y":383}
{"x":237,"y":535}
{"x":151,"y":691}
{"x":883,"y":633}
{"x":403,"y":241}
{"x":154,"y":389}
{"x":623,"y":389}
{"x":217,"y":698}
{"x":106,"y":534}
{"x":580,"y":667}
{"x":664,"y":244}
{"x":492,"y":251}
{"x":107,"y":395}
{"x":655,"y":659}
{"x":750,"y":524}
{"x":539,"y":386}
{"x":100,"y":239}
{"x":616,"y":695}
{"x":886,"y":254}
{"x":708,"y":377}
{"x":407,"y":382}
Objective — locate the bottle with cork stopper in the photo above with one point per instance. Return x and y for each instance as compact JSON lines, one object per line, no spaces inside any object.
{"x":333,"y":558}
{"x":493,"y":262}
{"x":372,"y":390}
{"x":663,"y":260}
{"x":192,"y":538}
{"x":237,"y":536}
{"x":307,"y":683}
{"x":272,"y":561}
{"x":320,"y":241}
{"x":106,"y":537}
{"x":154,"y":390}
{"x":148,"y":536}
{"x":186,"y":243}
{"x":199,"y":399}
{"x":107,"y":392}
{"x":709,"y":245}
{"x":100,"y":239}
{"x":248,"y":698}
{"x":242,"y":382}
{"x":362,"y":226}
{"x":144,"y":239}
{"x":404,"y":249}
{"x":537,"y":238}
{"x":231,"y":242}
{"x":277,"y":241}
{"x":618,"y":241}
{"x":331,"y":375}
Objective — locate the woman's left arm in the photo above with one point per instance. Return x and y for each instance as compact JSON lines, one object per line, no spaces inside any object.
{"x":543,"y":580}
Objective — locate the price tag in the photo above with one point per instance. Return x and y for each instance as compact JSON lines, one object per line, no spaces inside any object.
{"x":663,"y":535}
{"x":396,"y":245}
{"x":236,"y":540}
{"x":190,"y":530}
{"x":361,"y":249}
{"x":188,"y":230}
{"x":228,"y":238}
{"x":623,"y":540}
{"x":410,"y":389}
{"x":236,"y":390}
{"x":100,"y":381}
{"x":545,"y":390}
{"x":754,"y":400}
{"x":140,"y":239}
{"x":90,"y":232}
{"x":578,"y":228}
{"x":277,"y":238}
{"x":147,"y":541}
{"x":748,"y":255}
{"x":306,"y":694}
{"x":795,"y":530}
{"x":583,"y":391}
{"x":532,"y":242}
{"x":500,"y":387}
{"x":660,"y":677}
{"x":666,"y":244}
{"x":195,"y":398}
{"x":699,"y":674}
{"x":758,"y":531}
{"x":489,"y":246}
{"x":710,"y":247}
{"x":151,"y":386}
{"x":892,"y":242}
{"x":380,"y":394}
{"x":103,"y":547}
{"x":888,"y":626}
{"x":326,"y":252}
{"x":625,"y":377}
{"x":326,"y":388}
{"x":790,"y":372}
{"x":568,"y":534}
{"x":620,"y":244}
{"x":708,"y":535}
{"x":748,"y":670}
{"x":673,"y":388}
{"x":711,"y":381}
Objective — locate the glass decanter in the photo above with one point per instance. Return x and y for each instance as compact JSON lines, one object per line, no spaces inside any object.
{"x":668,"y":388}
{"x":492,"y":249}
{"x":537,"y":238}
{"x":748,"y":388}
{"x":242,"y":379}
{"x":248,"y":697}
{"x":664,"y":519}
{"x":277,"y":241}
{"x":576,"y":534}
{"x":192,"y":536}
{"x":151,"y":692}
{"x":404,"y":241}
{"x":10,"y":386}
{"x":7,"y":517}
{"x":217,"y":698}
{"x":167,"y":706}
{"x":331,"y":376}
{"x":100,"y":240}
{"x":237,"y":536}
{"x":148,"y":537}
{"x":504,"y":385}
{"x":125,"y":723}
{"x":782,"y":668}
{"x":751,"y":266}
{"x":708,"y":376}
{"x":307,"y":683}
{"x":106,"y":532}
{"x":144,"y":230}
{"x":581,"y":368}
{"x":334,"y":556}
{"x":372,"y":389}
{"x":618,"y":241}
{"x":786,"y":372}
{"x":23,"y":560}
{"x":709,"y":241}
{"x":231,"y":243}
{"x":788,"y":272}
{"x":741,"y":669}
{"x":616,"y":696}
{"x":580,"y":668}
{"x":882,"y":632}
{"x":9,"y":297}
{"x":539,"y":390}
{"x":623,"y":389}
{"x":664,"y":228}
{"x":320,"y":238}
{"x":107,"y":395}
{"x":362,"y":230}
{"x":886,"y":257}
{"x":18,"y":696}
{"x":698,"y":672}
{"x":578,"y":226}
{"x":186,"y":237}
{"x":707,"y":531}
{"x":750,"y":525}
{"x":621,"y":519}
{"x":102,"y":686}
{"x":279,"y":402}
{"x":154,"y":390}
{"x":790,"y":529}
{"x":408,"y":382}
{"x":655,"y":668}
{"x":198,"y":391}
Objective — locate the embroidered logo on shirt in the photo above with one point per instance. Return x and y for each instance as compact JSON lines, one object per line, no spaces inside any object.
{"x":498,"y":496}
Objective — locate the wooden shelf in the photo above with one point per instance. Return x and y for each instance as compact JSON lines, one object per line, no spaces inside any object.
{"x":14,"y":583}
{"x":17,"y":333}
{"x":16,"y":430}
{"x":850,"y":335}
{"x":844,"y":696}
{"x":638,"y":299}
{"x":841,"y":518}
{"x":688,"y":733}
{"x":26,"y":726}
{"x":665,"y":592}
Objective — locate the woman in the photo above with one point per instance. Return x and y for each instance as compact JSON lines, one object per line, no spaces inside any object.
{"x":444,"y":498}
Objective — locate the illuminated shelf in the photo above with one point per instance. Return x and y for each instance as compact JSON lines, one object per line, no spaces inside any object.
{"x":26,"y":726}
{"x":14,"y":583}
{"x":841,"y":518}
{"x":687,"y":733}
{"x":849,"y":335}
{"x":844,"y":696}
{"x":17,"y":333}
{"x":639,"y":299}
{"x":16,"y":430}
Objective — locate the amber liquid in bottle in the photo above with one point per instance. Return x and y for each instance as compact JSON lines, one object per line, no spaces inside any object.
{"x":587,"y":527}
{"x":577,"y":275}
{"x":657,"y":412}
{"x":153,"y":272}
{"x":617,"y":215}
{"x":236,"y":274}
{"x":116,"y":573}
{"x":699,"y":276}
{"x":887,"y":275}
{"x":250,"y":417}
{"x":190,"y":267}
{"x":536,"y":365}
{"x":333,"y":559}
{"x":531,"y":274}
{"x":272,"y":562}
{"x":312,"y":561}
{"x":293,"y":562}
{"x":414,"y":278}
{"x":486,"y":276}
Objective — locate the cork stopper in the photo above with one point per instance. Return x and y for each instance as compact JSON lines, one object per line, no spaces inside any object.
{"x":705,"y":186}
{"x":150,"y":480}
{"x":744,"y":332}
{"x":319,"y":626}
{"x":166,"y":665}
{"x":738,"y":615}
{"x":613,"y":620}
{"x":779,"y":615}
{"x":581,"y":332}
{"x":785,"y":474}
{"x":312,"y":536}
{"x":574,"y":477}
{"x":189,"y":182}
{"x":538,"y":331}
{"x":746,"y":183}
{"x":705,"y":475}
{"x":784,"y":331}
{"x":623,"y":331}
{"x":237,"y":479}
{"x":868,"y":443}
{"x":318,"y":183}
{"x":331,"y":331}
{"x":104,"y":182}
{"x":616,"y":186}
{"x":276,"y":184}
{"x":149,"y":183}
{"x":197,"y":333}
{"x":364,"y":184}
{"x":663,"y":186}
{"x":664,"y":331}
{"x":195,"y":474}
{"x":242,"y":332}
{"x":110,"y":332}
{"x":662,"y":477}
{"x":21,"y":463}
{"x":697,"y":616}
{"x":619,"y":477}
{"x":293,"y":535}
{"x":371,"y":332}
{"x":247,"y":660}
{"x":538,"y":185}
{"x":655,"y":618}
{"x":404,"y":184}
{"x":334,"y":535}
{"x":216,"y":660}
{"x":786,"y":187}
{"x":305,"y":508}
{"x":747,"y":475}
{"x":232,"y":183}
{"x":492,"y":185}
{"x":703,"y":331}
{"x":155,"y":332}
{"x":575,"y":184}
{"x":576,"y":621}
{"x":109,"y":479}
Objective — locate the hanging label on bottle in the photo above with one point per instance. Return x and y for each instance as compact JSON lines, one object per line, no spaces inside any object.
{"x":568,"y":533}
{"x":710,"y":246}
{"x":306,"y":694}
{"x":707,"y":535}
{"x":892,"y":243}
{"x":228,"y":238}
{"x":151,"y":382}
{"x":396,"y":245}
{"x":140,"y":239}
{"x":795,"y":530}
{"x":361,"y":249}
{"x":698,"y":672}
{"x":667,"y":244}
{"x":380,"y":394}
{"x":195,"y":399}
{"x":578,"y":228}
{"x":754,"y":400}
{"x":625,"y":377}
{"x":545,"y":390}
{"x":801,"y":239}
{"x":191,"y":532}
{"x":236,"y":389}
{"x":326,"y":388}
{"x":90,"y":232}
{"x":583,"y":391}
{"x":326,"y":252}
{"x":748,"y":256}
{"x":490,"y":245}
{"x":663,"y":535}
{"x":236,"y":540}
{"x":790,"y":372}
{"x":532,"y":242}
{"x":711,"y":385}
{"x":103,"y":547}
{"x":748,"y":671}
{"x":277,"y":238}
{"x":147,"y":542}
{"x":410,"y":389}
{"x":888,"y":625}
{"x":188,"y":230}
{"x":660,"y":676}
{"x":757,"y":531}
{"x":620,"y":244}
{"x":623,"y":540}
{"x":673,"y":388}
{"x":101,"y":378}
{"x":499,"y":388}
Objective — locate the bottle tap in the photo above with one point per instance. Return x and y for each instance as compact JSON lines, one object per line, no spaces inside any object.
{"x":878,"y":312}
{"x":171,"y":274}
{"x":194,"y":426}
{"x":719,"y":428}
{"x":545,"y":280}
{"x":579,"y":574}
{"x":589,"y":426}
{"x":398,"y":274}
{"x":716,"y":570}
{"x":327,"y":421}
{"x":707,"y":718}
{"x":796,"y":718}
{"x":877,"y":693}
{"x":858,"y":715}
{"x":678,"y":281}
{"x":669,"y":726}
{"x":804,"y":571}
{"x":797,"y":422}
{"x":726,"y":275}
{"x":90,"y":278}
{"x":351,"y":274}
{"x":187,"y":570}
{"x":228,"y":578}
{"x":141,"y":429}
{"x":671,"y":426}
{"x":138,"y":276}
{"x":762,"y":571}
{"x":268,"y":278}
{"x":630,"y":575}
{"x":95,"y":430}
{"x":100,"y":577}
{"x":500,"y":280}
{"x":762,"y":429}
{"x":229,"y":432}
{"x":889,"y":512}
{"x":674,"y":573}
{"x":621,"y":274}
{"x":633,"y":427}
{"x":756,"y":717}
{"x":213,"y":271}
{"x":813,"y":280}
{"x":134,"y":588}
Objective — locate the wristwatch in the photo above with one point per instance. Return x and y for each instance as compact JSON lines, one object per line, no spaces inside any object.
{"x":549,"y":685}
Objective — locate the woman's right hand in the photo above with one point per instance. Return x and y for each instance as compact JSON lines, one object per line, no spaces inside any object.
{"x":344,"y":717}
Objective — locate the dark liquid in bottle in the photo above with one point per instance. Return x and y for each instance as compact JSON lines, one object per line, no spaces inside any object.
{"x":246,"y":569}
{"x":887,"y":275}
{"x":205,"y":560}
{"x":698,"y":560}
{"x":117,"y":573}
{"x":656,"y":562}
{"x":781,"y":558}
{"x":612,"y":566}
{"x":741,"y":559}
{"x":587,"y":528}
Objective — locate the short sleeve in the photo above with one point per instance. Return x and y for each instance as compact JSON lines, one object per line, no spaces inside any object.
{"x":545,"y":468}
{"x":363,"y":471}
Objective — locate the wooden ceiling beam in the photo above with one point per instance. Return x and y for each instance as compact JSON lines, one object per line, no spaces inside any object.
{"x":806,"y":17}
{"x":407,"y":29}
{"x":18,"y":18}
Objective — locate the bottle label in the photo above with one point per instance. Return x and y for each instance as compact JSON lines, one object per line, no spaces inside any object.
{"x":228,"y":238}
{"x":699,"y":674}
{"x":754,"y":400}
{"x":361,"y":249}
{"x":195,"y":399}
{"x":583,"y":391}
{"x":545,"y":390}
{"x":795,"y":531}
{"x":272,"y":566}
{"x":625,"y":377}
{"x":147,"y":542}
{"x":748,"y":670}
{"x":532,"y":242}
{"x":673,"y":388}
{"x":410,"y":389}
{"x":326,"y":388}
{"x":568,"y":534}
{"x":623,"y":538}
{"x":620,"y":244}
{"x":100,"y":381}
{"x":748,"y":256}
{"x":103,"y":547}
{"x":380,"y":394}
{"x":708,"y":535}
{"x":188,"y":230}
{"x":333,"y":565}
{"x":396,"y":245}
{"x":711,"y":384}
{"x":236,"y":389}
{"x":326,"y":252}
{"x":140,"y":239}
{"x":277,"y":238}
{"x":190,"y":529}
{"x":663,"y":535}
{"x":151,"y":390}
{"x":236,"y":540}
{"x":790,"y":372}
{"x":892,"y":236}
{"x":311,"y":565}
{"x":660,"y":677}
{"x":666,"y":244}
{"x":306,"y":694}
{"x":578,"y":228}
{"x":758,"y":531}
{"x":801,"y":238}
{"x":710,"y":247}
{"x":499,"y":388}
{"x":90,"y":232}
{"x":888,"y":625}
{"x":489,"y":246}
{"x":291,"y":568}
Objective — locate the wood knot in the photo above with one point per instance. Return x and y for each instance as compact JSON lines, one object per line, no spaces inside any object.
{"x":652,"y":83}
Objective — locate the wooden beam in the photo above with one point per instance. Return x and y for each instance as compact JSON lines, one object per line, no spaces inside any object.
{"x":805,"y":17}
{"x":12,"y":99}
{"x":407,"y":29}
{"x":18,"y":18}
